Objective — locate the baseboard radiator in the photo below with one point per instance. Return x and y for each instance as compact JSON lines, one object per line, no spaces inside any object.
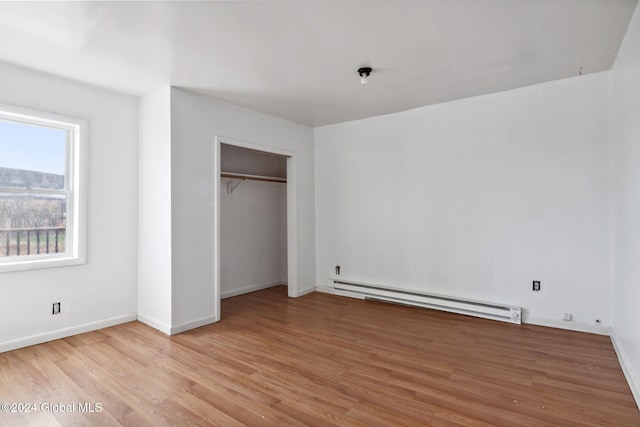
{"x":487,"y":310}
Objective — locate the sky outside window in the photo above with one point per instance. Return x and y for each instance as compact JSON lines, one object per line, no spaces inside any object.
{"x":30,"y":147}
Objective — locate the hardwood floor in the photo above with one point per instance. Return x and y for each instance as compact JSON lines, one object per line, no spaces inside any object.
{"x":321,"y":360}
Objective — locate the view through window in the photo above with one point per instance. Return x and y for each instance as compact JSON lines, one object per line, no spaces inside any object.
{"x":35,"y":188}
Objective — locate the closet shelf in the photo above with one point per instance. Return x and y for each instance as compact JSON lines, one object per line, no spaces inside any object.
{"x":252,"y":177}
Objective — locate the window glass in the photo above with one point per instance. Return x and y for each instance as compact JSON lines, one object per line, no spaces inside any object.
{"x":37,"y":191}
{"x":32,"y":156}
{"x":32,"y":224}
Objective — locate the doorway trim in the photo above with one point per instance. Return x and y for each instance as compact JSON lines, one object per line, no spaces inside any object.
{"x":292,"y":218}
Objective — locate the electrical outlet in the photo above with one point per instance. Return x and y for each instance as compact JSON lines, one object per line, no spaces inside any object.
{"x":56,"y":308}
{"x":567,"y":316}
{"x":337,"y":270}
{"x":536,"y":285}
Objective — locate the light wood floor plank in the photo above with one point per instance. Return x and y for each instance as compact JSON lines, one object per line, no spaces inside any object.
{"x":324,"y":360}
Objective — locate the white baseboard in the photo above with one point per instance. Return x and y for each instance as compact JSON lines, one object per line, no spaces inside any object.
{"x":250,"y":288}
{"x":303,"y":292}
{"x":564,"y":324}
{"x":64,"y":333}
{"x":173,"y":330}
{"x":155,"y":324}
{"x":192,"y":324}
{"x":627,"y":369}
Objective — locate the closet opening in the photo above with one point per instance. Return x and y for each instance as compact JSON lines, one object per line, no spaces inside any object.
{"x":254,"y":219}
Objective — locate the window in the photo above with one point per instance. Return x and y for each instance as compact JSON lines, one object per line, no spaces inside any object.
{"x":42,"y":205}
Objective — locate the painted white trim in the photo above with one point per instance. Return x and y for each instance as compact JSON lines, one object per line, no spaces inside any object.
{"x":292,"y":215}
{"x":192,"y":324}
{"x":52,"y":261}
{"x":303,"y":292}
{"x":257,"y":147}
{"x":155,"y":324}
{"x":292,"y":228}
{"x":627,"y":369}
{"x":217,"y":297}
{"x":563,"y":324}
{"x":76,"y":179}
{"x":250,"y":288}
{"x":66,"y":332}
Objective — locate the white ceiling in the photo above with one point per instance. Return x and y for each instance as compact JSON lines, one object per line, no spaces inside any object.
{"x":298,"y":59}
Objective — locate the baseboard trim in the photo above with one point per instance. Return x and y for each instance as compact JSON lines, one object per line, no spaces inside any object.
{"x":65,"y":332}
{"x":306,"y":291}
{"x":155,"y":324}
{"x":251,"y":288}
{"x":567,"y":325}
{"x":627,"y":369}
{"x":192,"y":324}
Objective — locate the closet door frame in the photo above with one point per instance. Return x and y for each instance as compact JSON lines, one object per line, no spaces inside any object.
{"x":292,"y":219}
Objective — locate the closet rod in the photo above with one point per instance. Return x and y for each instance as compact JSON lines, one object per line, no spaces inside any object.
{"x":252,"y":177}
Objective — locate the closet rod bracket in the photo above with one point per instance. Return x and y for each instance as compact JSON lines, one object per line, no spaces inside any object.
{"x":231,"y":187}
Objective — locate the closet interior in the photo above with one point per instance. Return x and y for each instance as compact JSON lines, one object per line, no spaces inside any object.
{"x":253,"y":220}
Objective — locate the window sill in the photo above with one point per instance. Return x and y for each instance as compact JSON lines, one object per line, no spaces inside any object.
{"x":34,"y":264}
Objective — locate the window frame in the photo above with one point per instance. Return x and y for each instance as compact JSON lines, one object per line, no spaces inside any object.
{"x":75,"y":189}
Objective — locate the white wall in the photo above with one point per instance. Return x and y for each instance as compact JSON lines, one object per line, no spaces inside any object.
{"x":626,"y":171}
{"x":195,"y":121}
{"x":476,"y":198}
{"x":154,"y":181}
{"x":250,"y":237}
{"x":102,"y":291}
